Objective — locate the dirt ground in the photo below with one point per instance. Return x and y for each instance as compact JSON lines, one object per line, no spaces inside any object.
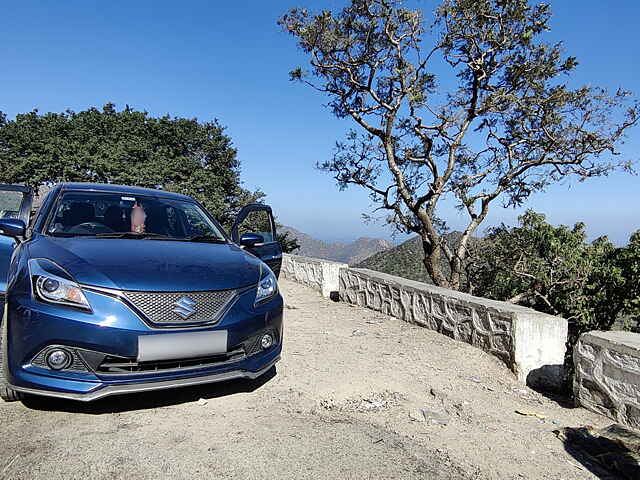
{"x":357,"y":395}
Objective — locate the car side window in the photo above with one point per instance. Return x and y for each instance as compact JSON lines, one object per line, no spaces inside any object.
{"x":10,"y":203}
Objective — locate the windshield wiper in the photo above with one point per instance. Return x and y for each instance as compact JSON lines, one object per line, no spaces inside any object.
{"x":134,"y":235}
{"x":206,"y":238}
{"x":66,"y":234}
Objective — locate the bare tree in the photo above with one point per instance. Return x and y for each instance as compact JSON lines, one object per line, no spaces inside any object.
{"x":498,"y":124}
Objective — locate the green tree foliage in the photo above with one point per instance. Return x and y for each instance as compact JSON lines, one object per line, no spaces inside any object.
{"x":555,"y":270}
{"x":125,"y":147}
{"x":499,"y":124}
{"x":628,"y":263}
{"x":288,"y":243}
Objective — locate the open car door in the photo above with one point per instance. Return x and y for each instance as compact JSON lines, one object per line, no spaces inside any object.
{"x":15,"y":203}
{"x":255,"y":230}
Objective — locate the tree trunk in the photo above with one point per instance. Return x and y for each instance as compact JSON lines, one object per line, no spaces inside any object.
{"x":432,"y":262}
{"x":519,"y":297}
{"x":454,"y":279}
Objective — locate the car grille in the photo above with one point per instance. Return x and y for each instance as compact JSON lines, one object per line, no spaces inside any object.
{"x":119,"y":365}
{"x":164,"y":308}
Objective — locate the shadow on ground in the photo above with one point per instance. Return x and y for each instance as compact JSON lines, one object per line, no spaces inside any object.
{"x":544,"y":380}
{"x":147,"y":400}
{"x":562,"y":399}
{"x":538,"y":381}
{"x":610,"y":453}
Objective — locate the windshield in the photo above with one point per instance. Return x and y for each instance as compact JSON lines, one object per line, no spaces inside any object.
{"x":130,"y":216}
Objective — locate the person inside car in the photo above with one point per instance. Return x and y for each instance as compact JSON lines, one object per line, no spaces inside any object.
{"x":138,"y":218}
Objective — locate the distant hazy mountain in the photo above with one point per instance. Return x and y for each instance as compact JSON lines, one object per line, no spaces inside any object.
{"x":350,"y":253}
{"x":405,"y":260}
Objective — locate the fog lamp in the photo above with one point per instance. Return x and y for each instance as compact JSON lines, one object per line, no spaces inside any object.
{"x":266,"y":341}
{"x":58,"y":359}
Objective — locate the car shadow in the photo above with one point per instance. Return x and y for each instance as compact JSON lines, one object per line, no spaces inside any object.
{"x":148,"y":400}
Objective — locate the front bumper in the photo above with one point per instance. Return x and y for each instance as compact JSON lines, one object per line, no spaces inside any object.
{"x":121,"y":389}
{"x":114,"y":330}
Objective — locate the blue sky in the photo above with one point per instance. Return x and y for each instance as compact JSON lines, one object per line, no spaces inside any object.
{"x":229,"y":60}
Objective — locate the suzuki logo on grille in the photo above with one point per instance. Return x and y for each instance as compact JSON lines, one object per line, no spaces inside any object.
{"x":185,"y":307}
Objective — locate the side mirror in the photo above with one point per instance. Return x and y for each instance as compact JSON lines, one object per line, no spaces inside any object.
{"x":251,"y":239}
{"x":12,"y":227}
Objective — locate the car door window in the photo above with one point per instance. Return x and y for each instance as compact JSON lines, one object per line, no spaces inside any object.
{"x":258,"y":222}
{"x":10,"y":204}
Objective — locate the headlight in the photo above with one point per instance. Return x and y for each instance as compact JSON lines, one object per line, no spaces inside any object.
{"x":52,"y":284}
{"x":267,"y":286}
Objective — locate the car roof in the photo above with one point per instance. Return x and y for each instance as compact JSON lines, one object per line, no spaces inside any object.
{"x":125,"y":189}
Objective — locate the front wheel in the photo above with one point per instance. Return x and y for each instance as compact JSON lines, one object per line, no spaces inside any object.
{"x":6,"y":392}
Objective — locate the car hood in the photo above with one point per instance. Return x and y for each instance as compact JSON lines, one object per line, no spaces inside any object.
{"x":151,"y":265}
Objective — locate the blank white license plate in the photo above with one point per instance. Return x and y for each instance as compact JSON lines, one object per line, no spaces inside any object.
{"x":173,"y":346}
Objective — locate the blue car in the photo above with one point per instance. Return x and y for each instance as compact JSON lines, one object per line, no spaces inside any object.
{"x":111,"y":289}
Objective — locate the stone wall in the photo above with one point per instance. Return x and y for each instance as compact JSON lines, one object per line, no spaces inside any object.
{"x":321,"y":275}
{"x":607,"y":377}
{"x":532,"y":344}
